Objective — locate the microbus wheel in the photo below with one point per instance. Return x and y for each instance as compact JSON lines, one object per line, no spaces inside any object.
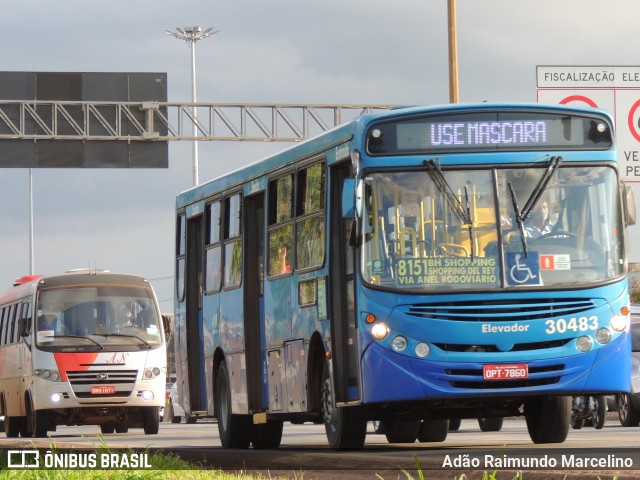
{"x":267,"y":435}
{"x":433,"y":430}
{"x":490,"y":424}
{"x":152,"y":420}
{"x":234,"y":430}
{"x":628,"y":415}
{"x":548,"y":418}
{"x":121,"y":427}
{"x":346,"y":427}
{"x":108,"y":427}
{"x":600,"y":414}
{"x":12,"y":426}
{"x":37,"y":423}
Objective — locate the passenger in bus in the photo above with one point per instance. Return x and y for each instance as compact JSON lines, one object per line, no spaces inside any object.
{"x":47,"y":321}
{"x":285,"y":258}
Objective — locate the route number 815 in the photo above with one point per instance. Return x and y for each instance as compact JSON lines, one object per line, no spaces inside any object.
{"x":581,"y":324}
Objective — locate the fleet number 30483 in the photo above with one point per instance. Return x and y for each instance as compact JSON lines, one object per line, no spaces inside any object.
{"x":580,"y":324}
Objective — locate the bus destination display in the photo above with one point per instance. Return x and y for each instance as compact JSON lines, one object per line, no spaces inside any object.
{"x":456,"y":132}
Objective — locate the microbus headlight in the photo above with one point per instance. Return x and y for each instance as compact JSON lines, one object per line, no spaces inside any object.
{"x":620,"y":322}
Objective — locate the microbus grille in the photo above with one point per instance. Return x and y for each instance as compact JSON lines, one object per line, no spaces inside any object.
{"x":512,"y":310}
{"x":122,"y":380}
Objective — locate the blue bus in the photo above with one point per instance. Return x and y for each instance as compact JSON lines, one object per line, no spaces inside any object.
{"x":411,"y":267}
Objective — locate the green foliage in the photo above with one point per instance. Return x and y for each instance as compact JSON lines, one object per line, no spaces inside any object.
{"x":635,"y":291}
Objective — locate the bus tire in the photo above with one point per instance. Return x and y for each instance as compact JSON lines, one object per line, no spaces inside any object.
{"x":491,"y":424}
{"x":12,"y":426}
{"x":36,"y":423}
{"x":454,"y":424}
{"x":152,"y":420}
{"x":600,"y":415}
{"x":267,"y":435}
{"x":174,"y":418}
{"x":346,"y":427}
{"x":234,"y":430}
{"x":401,"y":431}
{"x":121,"y":427}
{"x":433,"y":430}
{"x":548,"y":418}
{"x":627,"y":413}
{"x":108,"y":427}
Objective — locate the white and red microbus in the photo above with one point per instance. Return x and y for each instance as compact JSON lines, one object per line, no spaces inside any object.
{"x":81,"y":348}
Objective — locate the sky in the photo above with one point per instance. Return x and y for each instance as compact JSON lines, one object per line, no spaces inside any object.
{"x":276,"y":51}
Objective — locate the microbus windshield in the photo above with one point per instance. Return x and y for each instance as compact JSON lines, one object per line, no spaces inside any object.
{"x":552,"y":225}
{"x":97,"y":317}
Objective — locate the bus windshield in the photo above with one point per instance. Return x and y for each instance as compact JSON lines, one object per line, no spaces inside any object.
{"x":97,"y":317}
{"x":556,"y":224}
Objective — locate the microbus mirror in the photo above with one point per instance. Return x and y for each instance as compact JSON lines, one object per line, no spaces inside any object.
{"x":24,"y":327}
{"x":629,"y":205}
{"x":167,"y":324}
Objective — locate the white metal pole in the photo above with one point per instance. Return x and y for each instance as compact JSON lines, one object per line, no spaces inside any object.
{"x":31,"y":241}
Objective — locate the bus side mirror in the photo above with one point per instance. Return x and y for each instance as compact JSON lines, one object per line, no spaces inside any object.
{"x":629,"y":205}
{"x":352,"y":208}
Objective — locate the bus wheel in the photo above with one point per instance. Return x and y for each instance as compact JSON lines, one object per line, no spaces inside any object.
{"x":108,"y":427}
{"x":454,"y":424}
{"x":174,"y":418}
{"x":37,"y":424}
{"x":490,"y":424}
{"x":600,"y":414}
{"x":234,"y":430}
{"x":267,"y":435}
{"x":152,"y":420}
{"x":548,"y":418}
{"x":401,"y":431}
{"x":629,"y":416}
{"x":121,"y":427}
{"x":435,"y":430}
{"x":12,"y":426}
{"x":346,"y":427}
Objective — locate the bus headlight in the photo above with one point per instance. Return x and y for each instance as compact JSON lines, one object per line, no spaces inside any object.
{"x":55,"y":398}
{"x":146,"y":394}
{"x":422,"y":350}
{"x":603,"y":335}
{"x":379,"y":331}
{"x":399,"y":343}
{"x":619,"y":323}
{"x":584,"y":343}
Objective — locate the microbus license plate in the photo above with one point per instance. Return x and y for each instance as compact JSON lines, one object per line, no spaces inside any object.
{"x":103,"y":389}
{"x":514,"y":371}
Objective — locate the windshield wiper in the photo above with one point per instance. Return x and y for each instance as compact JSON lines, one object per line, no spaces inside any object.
{"x":464,"y":214}
{"x":519,"y":219}
{"x":147,"y":344}
{"x":541,"y":186}
{"x":77,"y":336}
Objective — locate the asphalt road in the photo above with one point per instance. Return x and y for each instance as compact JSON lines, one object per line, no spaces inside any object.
{"x":613,"y":452}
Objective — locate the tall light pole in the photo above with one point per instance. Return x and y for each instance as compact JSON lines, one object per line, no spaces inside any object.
{"x":453,"y":52}
{"x":191,"y":35}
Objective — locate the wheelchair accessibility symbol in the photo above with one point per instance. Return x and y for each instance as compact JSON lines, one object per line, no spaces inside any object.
{"x":522,"y":269}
